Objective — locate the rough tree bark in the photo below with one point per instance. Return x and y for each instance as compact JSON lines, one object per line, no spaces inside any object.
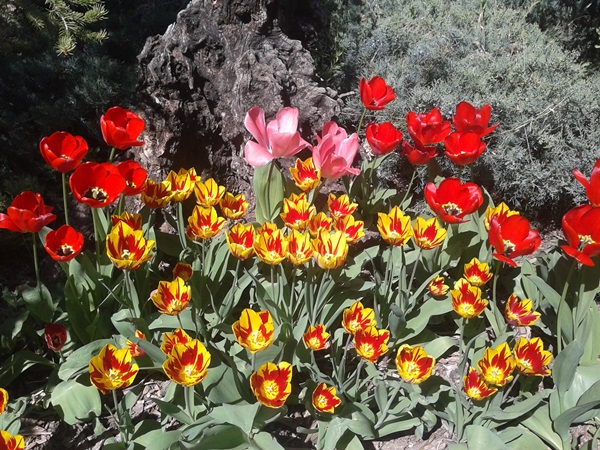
{"x":220,"y":58}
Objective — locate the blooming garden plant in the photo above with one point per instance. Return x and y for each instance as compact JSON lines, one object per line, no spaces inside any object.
{"x":450,"y":318}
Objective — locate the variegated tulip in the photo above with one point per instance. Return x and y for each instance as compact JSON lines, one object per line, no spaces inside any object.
{"x":183,"y":271}
{"x":502,"y":211}
{"x":371,"y":343}
{"x":319,"y":222}
{"x":172,"y":297}
{"x":299,"y":249}
{"x":324,"y":398}
{"x":497,"y":365}
{"x":181,"y":185}
{"x":127,"y":248}
{"x":340,"y":206}
{"x":475,"y":387}
{"x":394,"y":227}
{"x":305,"y":175}
{"x":352,"y":229}
{"x":414,"y":364}
{"x":271,"y":246}
{"x":133,"y":348}
{"x":428,"y":233}
{"x":519,"y":313}
{"x":233,"y":207}
{"x":156,"y":195}
{"x":3,"y":400}
{"x":437,"y":288}
{"x":208,"y":193}
{"x":357,"y":317}
{"x":254,"y":330}
{"x":204,"y":223}
{"x":112,"y":369}
{"x":10,"y":442}
{"x":297,"y":211}
{"x":187,"y":364}
{"x":272,"y":384}
{"x":178,"y":336}
{"x":315,"y":337}
{"x":330,"y":249}
{"x":530,"y":357}
{"x":477,"y":273}
{"x":466,"y":299}
{"x":133,"y":220}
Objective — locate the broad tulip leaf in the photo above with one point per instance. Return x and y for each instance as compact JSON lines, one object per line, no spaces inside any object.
{"x":547,"y":291}
{"x":220,"y":436}
{"x":75,"y":402}
{"x":521,"y":439}
{"x":516,"y":410}
{"x":396,"y":425}
{"x":265,"y":441}
{"x":158,"y":439}
{"x":540,"y":424}
{"x":479,"y":437}
{"x":79,"y":360}
{"x":565,"y":365}
{"x":241,"y":415}
{"x":269,"y":187}
{"x":39,"y":302}
{"x":18,"y":363}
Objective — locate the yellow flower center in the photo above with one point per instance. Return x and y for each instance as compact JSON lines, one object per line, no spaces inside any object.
{"x":126,"y":254}
{"x":509,"y":247}
{"x":495,"y":375}
{"x":452,"y":209}
{"x":466,"y":309}
{"x":367,"y":350}
{"x":411,"y":369}
{"x":585,"y":240}
{"x":321,"y":402}
{"x":270,"y":389}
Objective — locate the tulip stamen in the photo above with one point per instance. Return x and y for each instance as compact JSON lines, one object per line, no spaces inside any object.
{"x":96,"y":193}
{"x":509,"y":247}
{"x":65,"y":250}
{"x":585,"y":240}
{"x":452,"y":209}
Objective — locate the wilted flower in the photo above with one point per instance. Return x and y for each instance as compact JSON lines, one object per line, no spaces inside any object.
{"x":383,"y":138}
{"x":156,"y":195}
{"x":240,"y":239}
{"x":63,"y":151}
{"x":63,"y":244}
{"x":428,"y":233}
{"x":204,"y":223}
{"x":254,"y":330}
{"x":112,"y":369}
{"x":414,"y":364}
{"x":371,"y":343}
{"x":375,"y":93}
{"x":133,"y":220}
{"x":297,"y":211}
{"x":519,"y":313}
{"x":469,"y":119}
{"x":340,"y":206}
{"x":272,"y":384}
{"x":135,"y":176}
{"x":437,"y":288}
{"x":127,"y":248}
{"x":27,"y":214}
{"x":305,"y":175}
{"x":10,"y":442}
{"x":315,"y":337}
{"x":55,"y":336}
{"x":299,"y":249}
{"x":352,"y":229}
{"x":428,"y":128}
{"x":477,"y":273}
{"x":97,"y":184}
{"x":466,"y":299}
{"x":497,"y":365}
{"x":531,"y":358}
{"x":271,"y":248}
{"x":394,"y":227}
{"x":172,"y":297}
{"x":208,"y":193}
{"x":134,"y":349}
{"x":512,"y":237}
{"x":324,"y":398}
{"x":453,"y":200}
{"x":319,"y":222}
{"x":3,"y":400}
{"x":121,"y":128}
{"x":277,"y":139}
{"x":357,"y":317}
{"x":463,"y":148}
{"x":180,"y":184}
{"x":335,"y":151}
{"x":476,"y":387}
{"x":581,"y":227}
{"x":178,"y":336}
{"x":187,"y":363}
{"x":232,"y":206}
{"x":330,"y":249}
{"x":592,"y":186}
{"x":502,"y":211}
{"x":183,"y":271}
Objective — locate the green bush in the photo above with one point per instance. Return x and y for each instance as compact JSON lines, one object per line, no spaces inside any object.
{"x":438,"y":53}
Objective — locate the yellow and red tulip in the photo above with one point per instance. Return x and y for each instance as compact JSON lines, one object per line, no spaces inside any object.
{"x":271,"y":246}
{"x":519,"y":313}
{"x":502,"y":211}
{"x":395,"y":228}
{"x":135,"y":349}
{"x":127,"y":248}
{"x":178,"y":336}
{"x":254,"y":330}
{"x":299,"y":249}
{"x":530,"y":357}
{"x":352,"y":229}
{"x":466,"y":299}
{"x":357,"y":317}
{"x":319,"y":222}
{"x":315,"y":337}
{"x":475,"y":387}
{"x":437,"y":288}
{"x":112,"y":369}
{"x":330,"y":249}
{"x":208,"y":193}
{"x":297,"y":211}
{"x":340,"y":206}
{"x":133,"y":220}
{"x":240,"y":239}
{"x":3,"y":400}
{"x":324,"y":398}
{"x":414,"y":364}
{"x":497,"y":365}
{"x":371,"y":343}
{"x":156,"y":195}
{"x":428,"y":233}
{"x":232,"y":206}
{"x":183,"y":271}
{"x":203,"y":224}
{"x":172,"y":297}
{"x":272,"y":384}
{"x":187,"y":364}
{"x":477,"y":273}
{"x":10,"y":442}
{"x":181,"y":185}
{"x":305,"y":175}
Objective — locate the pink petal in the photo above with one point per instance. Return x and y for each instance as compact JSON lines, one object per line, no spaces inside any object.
{"x":256,"y":154}
{"x":255,"y":124}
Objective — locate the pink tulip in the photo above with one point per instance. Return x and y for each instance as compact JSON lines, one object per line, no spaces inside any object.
{"x":335,"y":152}
{"x":279,"y":138}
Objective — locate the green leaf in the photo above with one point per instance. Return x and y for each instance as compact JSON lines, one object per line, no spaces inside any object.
{"x":19,"y":362}
{"x":39,"y":304}
{"x":565,"y":365}
{"x":518,"y":438}
{"x":158,"y":439}
{"x":75,"y":402}
{"x":439,"y":346}
{"x":396,"y":425}
{"x":172,"y":410}
{"x":219,"y":385}
{"x":241,"y":415}
{"x":264,"y":441}
{"x":269,"y":187}
{"x":221,"y":436}
{"x":516,"y":410}
{"x":479,"y":438}
{"x":79,"y":360}
{"x":540,"y":424}
{"x":547,"y":291}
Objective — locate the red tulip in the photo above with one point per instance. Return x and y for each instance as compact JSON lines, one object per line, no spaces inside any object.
{"x":469,"y":119}
{"x":418,"y":154}
{"x":375,"y":94}
{"x":135,"y":176}
{"x":383,"y":138}
{"x":512,"y":237}
{"x":581,"y":227}
{"x":63,"y":151}
{"x":463,"y":148}
{"x":97,"y":185}
{"x":592,"y":186}
{"x":56,"y":336}
{"x":27,"y":214}
{"x":452,"y":200}
{"x":121,"y":128}
{"x":428,"y":128}
{"x":63,"y":244}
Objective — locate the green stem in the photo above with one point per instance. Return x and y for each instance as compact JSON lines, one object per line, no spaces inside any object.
{"x":95,"y":220}
{"x":117,"y":416}
{"x":36,"y":266}
{"x":189,"y":401}
{"x":362,"y":117}
{"x":412,"y":275}
{"x":560,"y":303}
{"x":65,"y":203}
{"x":112,"y":154}
{"x":318,"y":303}
{"x":361,"y":363}
{"x":410,"y":183}
{"x":461,"y":343}
{"x":127,"y":281}
{"x":386,"y":407}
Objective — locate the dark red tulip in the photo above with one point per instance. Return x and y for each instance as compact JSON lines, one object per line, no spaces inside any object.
{"x":121,"y":128}
{"x":56,"y":336}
